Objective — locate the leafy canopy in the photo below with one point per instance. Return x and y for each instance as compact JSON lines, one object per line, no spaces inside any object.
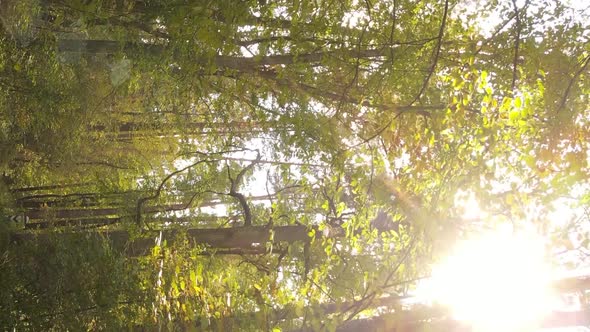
{"x":360,"y":124}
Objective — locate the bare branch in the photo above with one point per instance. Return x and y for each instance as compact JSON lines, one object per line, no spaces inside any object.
{"x":141,"y":201}
{"x":516,"y":47}
{"x":436,"y":53}
{"x":572,"y":81}
{"x":233,"y":192}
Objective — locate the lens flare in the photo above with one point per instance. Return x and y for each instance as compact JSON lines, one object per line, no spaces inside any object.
{"x":497,"y":282}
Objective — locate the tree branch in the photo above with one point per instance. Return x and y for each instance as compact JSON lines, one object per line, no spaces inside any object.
{"x":516,"y":47}
{"x":436,"y":53}
{"x":585,"y":64}
{"x":233,"y":191}
{"x":141,"y":201}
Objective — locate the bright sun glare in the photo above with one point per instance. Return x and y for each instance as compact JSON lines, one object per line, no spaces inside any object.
{"x":496,"y":282}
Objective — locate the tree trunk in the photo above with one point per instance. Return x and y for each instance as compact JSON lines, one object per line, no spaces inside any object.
{"x":188,"y":126}
{"x":57,"y":186}
{"x":77,"y":213}
{"x":85,"y":213}
{"x":103,"y":221}
{"x":223,"y":238}
{"x":221,"y":61}
{"x":399,"y":323}
{"x":573,"y":284}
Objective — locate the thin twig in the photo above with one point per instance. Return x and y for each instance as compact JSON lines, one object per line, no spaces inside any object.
{"x":516,"y":47}
{"x":586,"y":61}
{"x":141,"y":201}
{"x":233,"y":191}
{"x":436,"y":53}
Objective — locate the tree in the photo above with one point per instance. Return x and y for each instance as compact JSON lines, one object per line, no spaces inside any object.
{"x":335,"y":141}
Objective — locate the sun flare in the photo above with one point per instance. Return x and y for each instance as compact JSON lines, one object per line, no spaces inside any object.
{"x":496,"y":282}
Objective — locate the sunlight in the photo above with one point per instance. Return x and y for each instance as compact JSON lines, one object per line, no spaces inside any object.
{"x":497,"y":282}
{"x":470,"y":206}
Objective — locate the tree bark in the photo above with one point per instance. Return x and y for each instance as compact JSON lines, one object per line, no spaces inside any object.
{"x":85,"y":213}
{"x":221,"y":61}
{"x":189,"y":126}
{"x":121,"y":211}
{"x":222,"y":238}
{"x":397,"y":323}
{"x":102,"y":221}
{"x":573,"y":284}
{"x":57,"y":186}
